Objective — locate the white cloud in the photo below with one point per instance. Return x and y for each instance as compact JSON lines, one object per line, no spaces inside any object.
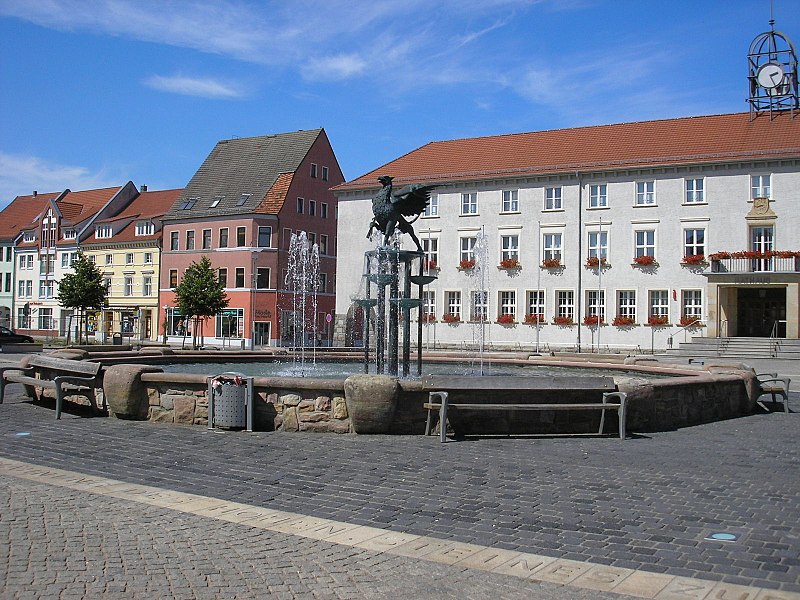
{"x":341,"y":66}
{"x":21,"y":175}
{"x":203,"y":87}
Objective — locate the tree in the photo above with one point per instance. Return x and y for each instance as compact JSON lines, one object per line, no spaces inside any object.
{"x":82,"y":289}
{"x":200,"y":294}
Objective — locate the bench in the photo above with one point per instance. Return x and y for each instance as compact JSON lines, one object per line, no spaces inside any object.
{"x":487,"y":388}
{"x":770,"y":383}
{"x":62,"y":375}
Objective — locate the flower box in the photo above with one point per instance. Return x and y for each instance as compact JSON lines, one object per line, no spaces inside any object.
{"x":505,"y":320}
{"x":510,"y":263}
{"x":532,"y":319}
{"x":465,"y":265}
{"x":623,"y":321}
{"x":644,"y":261}
{"x":694,"y":260}
{"x":563,"y":321}
{"x":592,"y":320}
{"x":451,"y":318}
{"x":551,"y":263}
{"x":431,"y":265}
{"x":594,"y":261}
{"x":754,"y":254}
{"x":658,"y":320}
{"x":690,"y":322}
{"x":428,"y":318}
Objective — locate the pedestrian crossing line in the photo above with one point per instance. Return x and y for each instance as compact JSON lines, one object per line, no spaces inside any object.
{"x":534,"y":567}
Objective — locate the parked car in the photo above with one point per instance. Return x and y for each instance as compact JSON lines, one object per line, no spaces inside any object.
{"x":7,"y":336}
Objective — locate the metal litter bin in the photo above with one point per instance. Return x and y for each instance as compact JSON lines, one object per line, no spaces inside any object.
{"x":230,"y":401}
{"x":116,"y":339}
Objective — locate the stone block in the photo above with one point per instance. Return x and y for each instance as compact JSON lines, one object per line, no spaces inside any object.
{"x":339,"y":408}
{"x":290,"y":420}
{"x":290,"y":399}
{"x":306,"y":406}
{"x":277,"y":422}
{"x":184,"y":409}
{"x":200,"y":412}
{"x":153,"y":397}
{"x":272,"y":398}
{"x":159,"y":415}
{"x":313,"y":417}
{"x":127,"y":396}
{"x":168,"y":401}
{"x":203,"y":422}
{"x":322,"y":403}
{"x":371,"y":402}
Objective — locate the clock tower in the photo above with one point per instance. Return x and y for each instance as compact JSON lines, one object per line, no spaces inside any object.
{"x":772,"y":73}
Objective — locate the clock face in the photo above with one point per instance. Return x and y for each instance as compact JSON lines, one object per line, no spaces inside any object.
{"x":770,"y":75}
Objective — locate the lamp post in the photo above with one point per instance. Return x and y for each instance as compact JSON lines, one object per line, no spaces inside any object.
{"x":166,"y":322}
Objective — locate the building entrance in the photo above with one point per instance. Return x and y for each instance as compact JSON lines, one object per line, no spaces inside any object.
{"x":759,"y":310}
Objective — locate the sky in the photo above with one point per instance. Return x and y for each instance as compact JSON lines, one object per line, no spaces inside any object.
{"x":94,"y":93}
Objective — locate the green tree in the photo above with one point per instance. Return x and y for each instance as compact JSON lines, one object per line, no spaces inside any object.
{"x":200,"y":295}
{"x":81,"y":290}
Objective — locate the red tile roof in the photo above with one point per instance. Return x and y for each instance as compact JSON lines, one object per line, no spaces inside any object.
{"x":147,"y":205}
{"x":21,"y":212}
{"x":78,"y":206}
{"x":276,"y":196}
{"x":707,"y":139}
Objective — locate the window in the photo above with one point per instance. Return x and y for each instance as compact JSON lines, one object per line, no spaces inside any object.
{"x":760,"y":186}
{"x":509,"y":247}
{"x":429,"y":304}
{"x":552,"y":198}
{"x":314,"y":170}
{"x":430,"y":246}
{"x":432,"y":208}
{"x":480,"y":306}
{"x":45,"y":289}
{"x":507,"y":304}
{"x":596,"y":304}
{"x":65,"y":260}
{"x":107,"y":284}
{"x":102,"y":231}
{"x":230,"y":323}
{"x":223,"y":237}
{"x":510,"y":200}
{"x":147,"y":285}
{"x":265,"y":236}
{"x":187,"y":204}
{"x":109,"y":259}
{"x":626,"y":304}
{"x":70,"y":234}
{"x":173,"y":241}
{"x":598,"y":195}
{"x":658,"y":302}
{"x":323,"y":244}
{"x":469,"y":203}
{"x":173,"y":278}
{"x":322,"y":286}
{"x":145,"y":228}
{"x":300,"y":205}
{"x":148,"y":258}
{"x":25,"y":261}
{"x":239,"y":282}
{"x":762,"y":240}
{"x":645,"y":243}
{"x":25,"y":288}
{"x":47,"y":265}
{"x":287,"y":238}
{"x":240,"y":236}
{"x":692,"y":304}
{"x":8,"y":253}
{"x":7,"y":287}
{"x":565,"y":304}
{"x":598,"y":244}
{"x":128,"y":286}
{"x":645,"y":193}
{"x":468,"y":248}
{"x":262,"y":278}
{"x":312,"y":208}
{"x":29,"y":236}
{"x":190,"y":240}
{"x":46,"y":318}
{"x":323,"y":210}
{"x":222,"y":276}
{"x":92,"y":259}
{"x":243,"y":199}
{"x":551,"y":246}
{"x":534,"y":302}
{"x":206,"y":239}
{"x":453,"y":303}
{"x":694,"y":242}
{"x":215,"y":202}
{"x":129,"y":258}
{"x":695,"y":193}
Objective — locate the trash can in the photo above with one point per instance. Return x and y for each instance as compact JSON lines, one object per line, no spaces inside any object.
{"x":229,"y":401}
{"x":116,"y":339}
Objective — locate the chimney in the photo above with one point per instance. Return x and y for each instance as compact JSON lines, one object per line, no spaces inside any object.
{"x":35,"y":193}
{"x":143,"y":188}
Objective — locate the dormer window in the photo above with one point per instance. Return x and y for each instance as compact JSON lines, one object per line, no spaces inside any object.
{"x":242,"y":199}
{"x":29,"y":236}
{"x":188,"y":203}
{"x":145,"y":228}
{"x":103,"y":232}
{"x":215,"y":202}
{"x":70,"y":234}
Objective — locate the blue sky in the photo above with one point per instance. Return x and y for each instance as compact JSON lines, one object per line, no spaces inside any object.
{"x":97,"y":92}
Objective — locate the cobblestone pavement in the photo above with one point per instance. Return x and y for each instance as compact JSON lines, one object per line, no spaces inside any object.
{"x":645,"y":504}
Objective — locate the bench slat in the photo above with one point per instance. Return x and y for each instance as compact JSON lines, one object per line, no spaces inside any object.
{"x":436,"y":382}
{"x":592,"y":406}
{"x":65,"y":365}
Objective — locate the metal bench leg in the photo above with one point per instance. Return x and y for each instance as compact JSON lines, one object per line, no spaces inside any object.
{"x":2,"y":388}
{"x":428,"y":422}
{"x":442,"y":416}
{"x":59,"y":400}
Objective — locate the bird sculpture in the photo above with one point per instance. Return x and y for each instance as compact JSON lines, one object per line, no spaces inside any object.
{"x":390,"y":208}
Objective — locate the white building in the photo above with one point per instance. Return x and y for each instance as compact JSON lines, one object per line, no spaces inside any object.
{"x":658,"y":190}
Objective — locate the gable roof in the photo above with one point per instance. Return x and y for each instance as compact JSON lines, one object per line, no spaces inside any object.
{"x":79,"y":206}
{"x":243,"y":166}
{"x":692,"y":140}
{"x":146,"y":206}
{"x":19,"y":214}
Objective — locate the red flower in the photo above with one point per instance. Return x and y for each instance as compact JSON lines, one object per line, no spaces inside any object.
{"x":451,"y":318}
{"x":694,"y":259}
{"x":592,"y":320}
{"x":623,"y":321}
{"x":505,"y":319}
{"x":657,"y":320}
{"x":466,"y":264}
{"x":644,"y":260}
{"x":430,"y":265}
{"x":562,"y":320}
{"x":532,"y":319}
{"x":687,"y":320}
{"x":551,"y":263}
{"x":509,"y":263}
{"x":594,"y":261}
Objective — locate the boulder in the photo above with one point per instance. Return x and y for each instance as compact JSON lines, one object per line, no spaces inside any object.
{"x":125,"y":393}
{"x":371,"y":402}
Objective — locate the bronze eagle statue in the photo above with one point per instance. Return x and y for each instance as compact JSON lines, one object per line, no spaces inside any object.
{"x":390,"y":208}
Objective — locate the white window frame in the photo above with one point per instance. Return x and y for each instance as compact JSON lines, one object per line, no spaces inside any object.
{"x":452,"y":302}
{"x":510,"y":201}
{"x":552,"y":245}
{"x":598,"y":195}
{"x":432,"y":209}
{"x":469,"y":203}
{"x":429,"y":303}
{"x":507,"y":303}
{"x":564,"y":303}
{"x":597,"y":244}
{"x":645,"y":193}
{"x":553,"y":199}
{"x":467,"y":244}
{"x":691,"y":245}
{"x":430,"y":246}
{"x":479,"y":306}
{"x":596,"y":304}
{"x":644,"y":241}
{"x":692,"y":303}
{"x":658,"y":303}
{"x":144,"y":228}
{"x":127,"y":286}
{"x":129,"y":258}
{"x":626,"y":303}
{"x":760,"y":186}
{"x":535,"y":302}
{"x":509,"y":246}
{"x":695,"y":190}
{"x":102,"y":232}
{"x":147,"y":285}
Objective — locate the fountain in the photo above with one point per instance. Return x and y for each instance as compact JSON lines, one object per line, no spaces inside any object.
{"x":301,"y":283}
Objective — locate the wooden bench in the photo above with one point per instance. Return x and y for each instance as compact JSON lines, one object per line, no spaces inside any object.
{"x":438,"y":388}
{"x":63,"y":375}
{"x":775,"y":386}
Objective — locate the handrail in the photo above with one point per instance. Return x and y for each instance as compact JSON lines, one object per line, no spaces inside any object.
{"x":683,"y":328}
{"x":773,"y":338}
{"x":723,"y":333}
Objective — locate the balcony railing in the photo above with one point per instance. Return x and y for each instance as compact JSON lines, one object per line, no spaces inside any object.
{"x":774,"y":264}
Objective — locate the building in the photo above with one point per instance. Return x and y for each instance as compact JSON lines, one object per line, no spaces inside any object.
{"x":20,"y":212}
{"x":626,"y":224}
{"x":46,"y":249}
{"x":241,"y":210}
{"x":126,"y":248}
